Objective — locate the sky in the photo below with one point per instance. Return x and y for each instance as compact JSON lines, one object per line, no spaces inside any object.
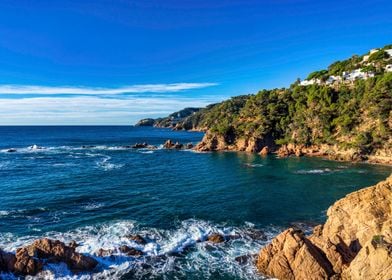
{"x":115,"y":61}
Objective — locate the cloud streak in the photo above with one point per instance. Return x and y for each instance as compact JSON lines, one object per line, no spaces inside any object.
{"x":80,"y":90}
{"x":92,"y":109}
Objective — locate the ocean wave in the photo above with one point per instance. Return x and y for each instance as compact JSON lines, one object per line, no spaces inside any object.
{"x":167,"y":253}
{"x":106,"y":165}
{"x":36,"y":148}
{"x":93,"y":206}
{"x":146,"y":152}
{"x":22,"y":212}
{"x":4,"y":213}
{"x":253,"y":165}
{"x":314,"y":171}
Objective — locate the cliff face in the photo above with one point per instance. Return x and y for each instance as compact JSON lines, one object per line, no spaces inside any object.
{"x":354,"y":243}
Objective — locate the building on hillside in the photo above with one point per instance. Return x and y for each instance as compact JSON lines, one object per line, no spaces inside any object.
{"x":333,"y":79}
{"x":389,"y":52}
{"x":388,"y":68}
{"x":310,"y":82}
{"x":372,"y":51}
{"x":357,"y":74}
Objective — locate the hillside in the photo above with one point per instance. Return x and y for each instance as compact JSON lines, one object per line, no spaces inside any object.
{"x":175,"y":120}
{"x":349,"y":118}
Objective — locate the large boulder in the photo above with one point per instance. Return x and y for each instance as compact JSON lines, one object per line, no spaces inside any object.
{"x":354,"y":243}
{"x":216,"y":238}
{"x":212,"y":142}
{"x":264,"y":151}
{"x":292,"y":256}
{"x":56,"y":251}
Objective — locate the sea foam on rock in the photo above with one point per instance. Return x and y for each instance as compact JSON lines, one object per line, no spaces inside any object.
{"x":354,"y":243}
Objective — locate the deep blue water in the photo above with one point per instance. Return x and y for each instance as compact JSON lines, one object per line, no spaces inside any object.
{"x":99,"y":194}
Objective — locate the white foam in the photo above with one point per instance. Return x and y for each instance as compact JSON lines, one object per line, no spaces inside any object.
{"x":106,"y":165}
{"x":146,"y":152}
{"x":93,"y":205}
{"x":314,"y":171}
{"x":254,"y":165}
{"x":203,"y":259}
{"x":4,"y":213}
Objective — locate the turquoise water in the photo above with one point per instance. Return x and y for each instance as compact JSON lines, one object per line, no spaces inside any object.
{"x":99,"y":193}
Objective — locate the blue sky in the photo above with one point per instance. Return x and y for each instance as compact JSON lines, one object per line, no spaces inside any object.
{"x":114,"y":62}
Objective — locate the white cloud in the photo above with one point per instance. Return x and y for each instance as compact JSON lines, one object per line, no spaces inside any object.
{"x":157,"y":88}
{"x":92,"y":110}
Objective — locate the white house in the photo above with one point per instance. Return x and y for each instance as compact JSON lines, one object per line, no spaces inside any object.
{"x":332,"y":79}
{"x":389,"y":52}
{"x":357,"y":74}
{"x":388,"y":68}
{"x":310,"y":82}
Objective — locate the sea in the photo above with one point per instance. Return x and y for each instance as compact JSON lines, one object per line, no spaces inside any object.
{"x":85,"y":183}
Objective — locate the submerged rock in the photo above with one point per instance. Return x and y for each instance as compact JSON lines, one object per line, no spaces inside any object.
{"x":178,"y":146}
{"x":137,"y":238}
{"x":354,"y":243}
{"x":189,"y":146}
{"x":130,"y":251}
{"x":245,"y":259}
{"x":216,"y":238}
{"x":140,"y":145}
{"x":168,"y":144}
{"x":104,"y":253}
{"x":12,"y":150}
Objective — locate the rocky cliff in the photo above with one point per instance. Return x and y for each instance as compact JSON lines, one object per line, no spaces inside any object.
{"x":354,"y":243}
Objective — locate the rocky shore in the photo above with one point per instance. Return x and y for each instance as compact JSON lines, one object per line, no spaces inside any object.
{"x":354,"y":243}
{"x":34,"y":259}
{"x":31,"y":259}
{"x":267,"y":145}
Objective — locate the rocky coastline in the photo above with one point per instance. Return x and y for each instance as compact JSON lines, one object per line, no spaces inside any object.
{"x":267,"y":145}
{"x":354,"y":243}
{"x":34,"y":259}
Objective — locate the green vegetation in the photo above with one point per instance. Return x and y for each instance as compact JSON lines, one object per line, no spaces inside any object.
{"x":357,"y":115}
{"x":378,"y":56}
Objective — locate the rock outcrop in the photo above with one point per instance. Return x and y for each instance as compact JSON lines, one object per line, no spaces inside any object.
{"x":266,"y":145}
{"x":230,"y":142}
{"x":57,"y":251}
{"x":216,"y":238}
{"x":354,"y":243}
{"x":292,"y":256}
{"x":30,"y":260}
